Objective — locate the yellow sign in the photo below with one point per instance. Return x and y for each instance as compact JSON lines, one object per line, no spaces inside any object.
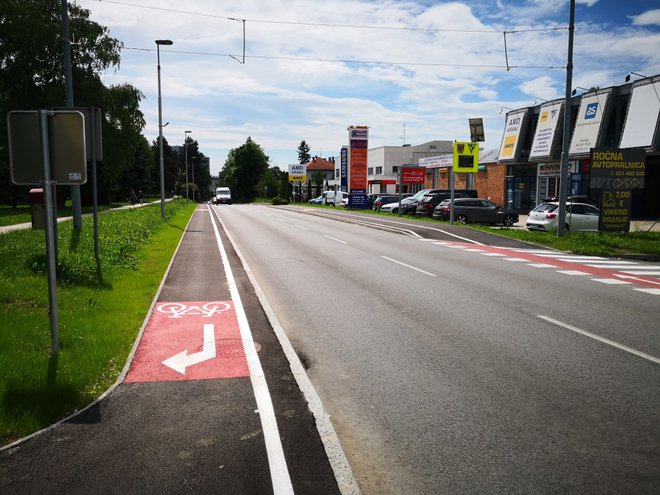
{"x":297,"y":173}
{"x":466,"y":157}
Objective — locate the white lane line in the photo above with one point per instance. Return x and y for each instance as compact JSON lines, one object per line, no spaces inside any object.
{"x":335,"y":239}
{"x":493,"y":254}
{"x":601,"y":339}
{"x":542,"y":265}
{"x":279,"y":471}
{"x":567,"y":257}
{"x":609,"y":267}
{"x":342,"y":469}
{"x":300,"y":226}
{"x":611,"y":281}
{"x":572,"y":272}
{"x":410,"y":266}
{"x":655,"y":292}
{"x":642,"y":272}
{"x":473,"y":250}
{"x":515,"y":259}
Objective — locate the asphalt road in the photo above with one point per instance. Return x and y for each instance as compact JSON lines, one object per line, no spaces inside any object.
{"x":451,"y":369}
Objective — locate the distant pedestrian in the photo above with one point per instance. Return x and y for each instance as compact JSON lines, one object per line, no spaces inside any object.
{"x":140,"y":196}
{"x":132,"y":197}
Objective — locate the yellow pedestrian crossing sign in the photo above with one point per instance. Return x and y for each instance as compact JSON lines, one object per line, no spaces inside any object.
{"x":466,"y":157}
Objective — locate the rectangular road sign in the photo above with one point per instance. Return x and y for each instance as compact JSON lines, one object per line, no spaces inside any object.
{"x":297,"y":173}
{"x":466,"y":157}
{"x":66,"y":136}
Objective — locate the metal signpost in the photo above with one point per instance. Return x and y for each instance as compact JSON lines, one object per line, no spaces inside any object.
{"x":48,"y":148}
{"x":466,"y":160}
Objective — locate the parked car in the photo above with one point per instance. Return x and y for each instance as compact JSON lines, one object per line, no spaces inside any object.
{"x":394,"y":207}
{"x":579,"y":217}
{"x":385,"y":199}
{"x":333,"y":198}
{"x":475,"y":210}
{"x":317,"y":201}
{"x":410,"y":207}
{"x":371,"y":197}
{"x":429,"y":202}
{"x":585,"y":200}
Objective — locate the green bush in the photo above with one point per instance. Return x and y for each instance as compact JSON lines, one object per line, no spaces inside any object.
{"x":279,"y":201}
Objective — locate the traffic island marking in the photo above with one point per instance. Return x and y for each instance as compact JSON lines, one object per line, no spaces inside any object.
{"x":190,"y":341}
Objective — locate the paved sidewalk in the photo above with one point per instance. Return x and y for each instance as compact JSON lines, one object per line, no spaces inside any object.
{"x":196,"y":426}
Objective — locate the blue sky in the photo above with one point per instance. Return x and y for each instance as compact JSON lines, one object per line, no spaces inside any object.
{"x":313,"y":68}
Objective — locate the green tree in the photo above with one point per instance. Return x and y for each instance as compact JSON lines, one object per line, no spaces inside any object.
{"x":272,"y":180}
{"x":243,"y":169}
{"x":303,"y":152}
{"x":32,"y":77}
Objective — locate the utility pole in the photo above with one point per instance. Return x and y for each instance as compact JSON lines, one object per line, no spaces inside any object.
{"x":68,"y":90}
{"x":563,"y":180}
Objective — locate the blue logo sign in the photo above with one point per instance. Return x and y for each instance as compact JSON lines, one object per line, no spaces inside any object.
{"x":592,"y":110}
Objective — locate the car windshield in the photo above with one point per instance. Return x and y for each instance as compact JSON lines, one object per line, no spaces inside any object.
{"x":546,"y":207}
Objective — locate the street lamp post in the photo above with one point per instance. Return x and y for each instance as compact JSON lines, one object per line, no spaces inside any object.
{"x":192,"y":158}
{"x":160,"y":132}
{"x":185,"y":144}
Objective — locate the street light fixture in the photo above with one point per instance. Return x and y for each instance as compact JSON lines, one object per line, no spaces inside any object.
{"x":160,"y":131}
{"x":574,"y":92}
{"x":185,"y":147}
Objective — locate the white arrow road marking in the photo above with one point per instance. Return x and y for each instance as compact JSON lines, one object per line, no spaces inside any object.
{"x":179,"y":362}
{"x":631,"y":277}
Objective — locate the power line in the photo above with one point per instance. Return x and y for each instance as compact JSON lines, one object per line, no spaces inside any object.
{"x":349,"y":61}
{"x":345,"y":26}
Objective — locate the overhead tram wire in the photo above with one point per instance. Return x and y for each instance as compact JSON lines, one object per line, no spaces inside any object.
{"x":348,"y":61}
{"x":344,"y":26}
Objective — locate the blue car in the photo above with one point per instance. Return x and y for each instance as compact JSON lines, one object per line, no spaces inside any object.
{"x":316,"y":201}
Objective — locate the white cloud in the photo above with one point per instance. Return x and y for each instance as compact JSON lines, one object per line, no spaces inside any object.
{"x":429,"y":78}
{"x":648,"y":18}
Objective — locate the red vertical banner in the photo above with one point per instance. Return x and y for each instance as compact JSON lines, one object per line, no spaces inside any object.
{"x":358,"y":146}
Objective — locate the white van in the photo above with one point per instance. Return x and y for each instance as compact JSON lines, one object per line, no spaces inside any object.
{"x":222,"y":195}
{"x":334,"y":197}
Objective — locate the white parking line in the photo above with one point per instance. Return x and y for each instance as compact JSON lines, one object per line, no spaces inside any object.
{"x":572,"y":272}
{"x":542,"y":265}
{"x":410,"y":266}
{"x":602,"y":339}
{"x":643,"y":272}
{"x":611,"y":281}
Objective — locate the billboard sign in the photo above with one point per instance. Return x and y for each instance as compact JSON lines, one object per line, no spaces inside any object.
{"x":643,"y":118}
{"x":343,"y":171}
{"x":515,"y":124}
{"x":545,"y":137}
{"x":358,"y":145}
{"x":412,"y":175}
{"x":443,"y":161}
{"x":588,"y":125}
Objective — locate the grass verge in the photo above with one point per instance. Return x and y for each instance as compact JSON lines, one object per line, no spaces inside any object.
{"x":101,"y":309}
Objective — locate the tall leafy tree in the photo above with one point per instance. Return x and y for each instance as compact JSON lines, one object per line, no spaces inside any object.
{"x":32,"y":74}
{"x":243,"y":169}
{"x":303,"y":152}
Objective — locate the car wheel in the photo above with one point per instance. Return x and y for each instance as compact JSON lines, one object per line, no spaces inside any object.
{"x":461,"y":219}
{"x":509,"y":220}
{"x":395,"y":210}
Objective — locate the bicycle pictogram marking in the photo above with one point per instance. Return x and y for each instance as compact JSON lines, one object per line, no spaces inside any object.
{"x":179,"y":310}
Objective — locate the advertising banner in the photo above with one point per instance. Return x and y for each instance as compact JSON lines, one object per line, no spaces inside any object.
{"x":412,"y":175}
{"x":443,"y":161}
{"x":344,"y":169}
{"x":515,"y":122}
{"x":358,"y":143}
{"x":545,"y":137}
{"x":588,"y":126}
{"x":643,"y":118}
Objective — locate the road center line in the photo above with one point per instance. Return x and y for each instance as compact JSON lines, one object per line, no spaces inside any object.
{"x":601,"y":339}
{"x":409,"y":266}
{"x":335,"y":239}
{"x":300,"y":226}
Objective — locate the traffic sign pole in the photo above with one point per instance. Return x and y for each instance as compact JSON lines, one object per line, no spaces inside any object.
{"x":50,"y":234}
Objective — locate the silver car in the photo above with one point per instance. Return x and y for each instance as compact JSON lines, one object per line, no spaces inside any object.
{"x":579,"y":217}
